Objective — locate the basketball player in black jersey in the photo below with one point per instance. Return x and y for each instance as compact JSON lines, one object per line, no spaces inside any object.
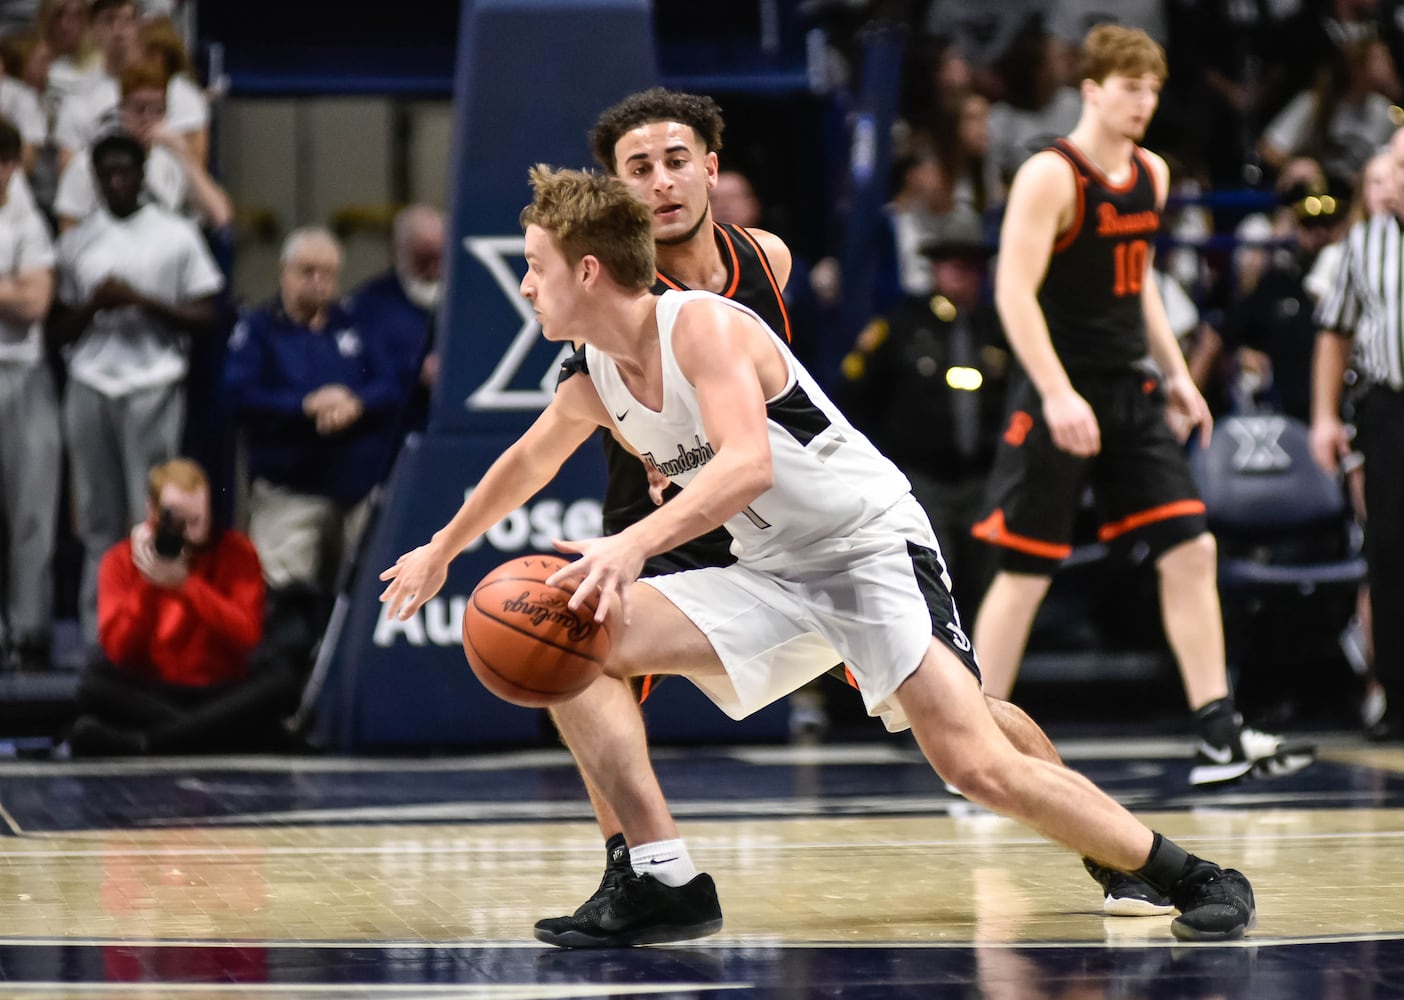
{"x":664,"y":144}
{"x":1076,"y":296}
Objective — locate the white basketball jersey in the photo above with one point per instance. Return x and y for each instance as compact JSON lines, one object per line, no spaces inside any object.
{"x":828,"y":477}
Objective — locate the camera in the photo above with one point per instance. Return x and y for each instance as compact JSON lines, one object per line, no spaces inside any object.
{"x":169,"y":539}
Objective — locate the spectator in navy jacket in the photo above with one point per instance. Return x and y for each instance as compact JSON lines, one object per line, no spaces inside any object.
{"x":319,"y":408}
{"x":395,"y":309}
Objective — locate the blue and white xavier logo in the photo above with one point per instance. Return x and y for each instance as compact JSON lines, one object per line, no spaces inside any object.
{"x":494,"y":252}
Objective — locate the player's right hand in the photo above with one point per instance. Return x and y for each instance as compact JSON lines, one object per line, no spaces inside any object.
{"x":1072,"y":423}
{"x":606,"y":569}
{"x":416,"y":576}
{"x":657,"y":483}
{"x":1329,"y":443}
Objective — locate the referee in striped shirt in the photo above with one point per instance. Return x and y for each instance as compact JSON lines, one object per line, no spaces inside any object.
{"x":1365,"y":311}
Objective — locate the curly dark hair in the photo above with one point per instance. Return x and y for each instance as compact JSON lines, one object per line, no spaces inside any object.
{"x":657,"y":104}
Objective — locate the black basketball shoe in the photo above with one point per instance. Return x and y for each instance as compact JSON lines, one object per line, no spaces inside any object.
{"x":617,"y":868}
{"x":1215,"y":904}
{"x":639,"y":910}
{"x":1128,"y":895}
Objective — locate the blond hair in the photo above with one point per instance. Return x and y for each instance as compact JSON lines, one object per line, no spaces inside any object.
{"x":587,"y":212}
{"x":183,"y":473}
{"x":1113,"y":49}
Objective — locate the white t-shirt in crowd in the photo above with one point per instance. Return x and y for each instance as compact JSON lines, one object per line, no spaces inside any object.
{"x":160,"y":255}
{"x":19,"y":191}
{"x":66,"y":79}
{"x":85,"y":115}
{"x":1354,"y":134}
{"x":20,"y":104}
{"x":166,"y":184}
{"x":1016,"y":134}
{"x":24,"y":246}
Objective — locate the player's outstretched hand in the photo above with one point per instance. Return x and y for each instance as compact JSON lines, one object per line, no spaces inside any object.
{"x":1072,"y":423}
{"x":416,"y":576}
{"x":606,"y":568}
{"x":1187,"y":410}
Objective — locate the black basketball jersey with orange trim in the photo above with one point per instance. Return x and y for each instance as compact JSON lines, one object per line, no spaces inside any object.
{"x":750,"y":281}
{"x":1091,"y":295}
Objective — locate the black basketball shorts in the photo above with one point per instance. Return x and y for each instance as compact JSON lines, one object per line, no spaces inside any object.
{"x":1143,"y":492}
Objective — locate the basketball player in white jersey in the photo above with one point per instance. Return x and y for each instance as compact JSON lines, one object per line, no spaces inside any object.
{"x":835,"y":560}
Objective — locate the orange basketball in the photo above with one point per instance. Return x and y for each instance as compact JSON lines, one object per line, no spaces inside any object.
{"x":523,"y":641}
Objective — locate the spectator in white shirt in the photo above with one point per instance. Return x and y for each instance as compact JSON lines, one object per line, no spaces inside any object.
{"x":1342,"y":120}
{"x":134,"y":281}
{"x":19,"y":105}
{"x":1038,"y":105}
{"x":161,"y":43}
{"x":64,"y":61}
{"x":30,"y":442}
{"x":176,"y":179}
{"x":86,"y":115}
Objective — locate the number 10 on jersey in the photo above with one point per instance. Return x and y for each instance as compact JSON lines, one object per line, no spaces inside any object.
{"x":1130,"y":267}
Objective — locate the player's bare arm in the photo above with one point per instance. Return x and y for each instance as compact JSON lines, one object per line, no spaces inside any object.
{"x":1329,"y":441}
{"x":1187,"y":408}
{"x":572,"y":416}
{"x":734,"y":367}
{"x":1042,"y":205}
{"x":777,"y":253}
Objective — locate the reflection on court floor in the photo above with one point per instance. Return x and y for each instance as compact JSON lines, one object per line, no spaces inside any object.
{"x":844,"y":871}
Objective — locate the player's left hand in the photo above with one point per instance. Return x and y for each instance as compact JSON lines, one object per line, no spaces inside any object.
{"x":606,"y":568}
{"x":1187,"y":409}
{"x":416,"y":576}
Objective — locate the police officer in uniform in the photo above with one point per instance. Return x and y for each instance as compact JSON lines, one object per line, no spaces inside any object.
{"x":927,"y":382}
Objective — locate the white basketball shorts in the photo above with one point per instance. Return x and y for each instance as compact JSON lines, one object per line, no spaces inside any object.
{"x":871,"y":600}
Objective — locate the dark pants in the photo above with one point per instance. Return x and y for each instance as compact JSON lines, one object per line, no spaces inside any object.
{"x":953,"y":508}
{"x":179,"y":718}
{"x":1380,"y":423}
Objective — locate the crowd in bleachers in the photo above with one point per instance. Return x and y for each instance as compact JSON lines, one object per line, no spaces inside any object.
{"x":120,"y":349}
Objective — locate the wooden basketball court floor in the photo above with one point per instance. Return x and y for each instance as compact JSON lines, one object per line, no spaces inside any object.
{"x":844,"y":871}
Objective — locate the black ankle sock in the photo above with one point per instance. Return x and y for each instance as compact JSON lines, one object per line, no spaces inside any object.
{"x":617,"y":853}
{"x":1168,"y":861}
{"x":1218,"y":722}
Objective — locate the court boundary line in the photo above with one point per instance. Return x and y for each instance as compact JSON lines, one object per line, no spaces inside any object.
{"x":711,"y":944}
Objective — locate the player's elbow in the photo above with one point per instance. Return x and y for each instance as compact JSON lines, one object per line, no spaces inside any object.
{"x":1010,"y":299}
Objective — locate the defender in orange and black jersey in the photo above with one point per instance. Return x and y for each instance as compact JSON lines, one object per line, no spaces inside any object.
{"x":1091,"y":300}
{"x":1091,"y":294}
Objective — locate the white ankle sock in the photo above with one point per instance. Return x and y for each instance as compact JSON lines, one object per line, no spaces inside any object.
{"x":666,"y":860}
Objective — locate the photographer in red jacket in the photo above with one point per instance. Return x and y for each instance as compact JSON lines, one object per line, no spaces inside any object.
{"x":180,"y":614}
